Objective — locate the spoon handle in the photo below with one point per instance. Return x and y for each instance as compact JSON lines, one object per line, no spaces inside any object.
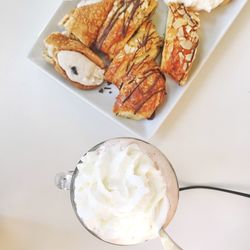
{"x":167,"y":242}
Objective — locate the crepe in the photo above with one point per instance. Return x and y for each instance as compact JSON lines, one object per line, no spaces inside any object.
{"x":181,"y":42}
{"x":142,"y":91}
{"x":145,"y":45}
{"x":122,"y":22}
{"x":85,"y":22}
{"x":57,"y":42}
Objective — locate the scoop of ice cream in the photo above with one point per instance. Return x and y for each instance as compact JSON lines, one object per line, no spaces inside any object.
{"x":119,"y":193}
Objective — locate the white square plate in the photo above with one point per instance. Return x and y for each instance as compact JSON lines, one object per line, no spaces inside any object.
{"x":213,"y":26}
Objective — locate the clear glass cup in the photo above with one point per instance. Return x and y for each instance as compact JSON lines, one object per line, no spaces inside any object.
{"x":66,"y":181}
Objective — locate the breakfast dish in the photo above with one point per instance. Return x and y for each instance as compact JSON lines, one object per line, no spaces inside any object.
{"x":85,"y":21}
{"x":142,"y":90}
{"x":74,"y":61}
{"x":103,"y":97}
{"x":133,"y":70}
{"x":122,"y":22}
{"x":145,"y":45}
{"x":181,"y":41}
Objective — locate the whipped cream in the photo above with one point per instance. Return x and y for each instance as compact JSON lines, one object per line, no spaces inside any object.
{"x":87,"y":2}
{"x":119,"y":193}
{"x":206,"y":5}
{"x":79,"y":68}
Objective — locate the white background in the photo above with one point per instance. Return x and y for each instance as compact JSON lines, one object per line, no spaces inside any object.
{"x":44,"y":130}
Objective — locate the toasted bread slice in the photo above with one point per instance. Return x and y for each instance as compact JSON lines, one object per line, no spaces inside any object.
{"x":181,"y":42}
{"x":57,"y":42}
{"x":122,"y":22}
{"x":145,"y":45}
{"x":141,"y":92}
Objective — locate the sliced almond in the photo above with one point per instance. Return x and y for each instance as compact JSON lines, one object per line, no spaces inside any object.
{"x":188,"y":28}
{"x":181,"y":38}
{"x":185,"y":23}
{"x":129,"y":50}
{"x":186,"y":44}
{"x":144,"y":5}
{"x":122,"y":16}
{"x":185,"y":65}
{"x":130,"y":8}
{"x":180,"y":32}
{"x":181,"y":11}
{"x":179,"y":22}
{"x":195,"y":16}
{"x":189,"y":57}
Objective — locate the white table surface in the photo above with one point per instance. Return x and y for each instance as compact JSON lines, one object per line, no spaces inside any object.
{"x":44,"y":129}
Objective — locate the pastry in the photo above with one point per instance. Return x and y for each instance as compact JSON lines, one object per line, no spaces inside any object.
{"x":145,"y":45}
{"x":122,"y":22}
{"x":181,"y":42}
{"x":85,"y":22}
{"x":141,"y":92}
{"x":74,"y":61}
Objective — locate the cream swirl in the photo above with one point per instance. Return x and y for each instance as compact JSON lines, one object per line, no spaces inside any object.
{"x":119,"y":193}
{"x":206,"y":5}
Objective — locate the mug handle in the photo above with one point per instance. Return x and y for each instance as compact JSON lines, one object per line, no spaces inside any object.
{"x":167,"y":242}
{"x":63,"y":180}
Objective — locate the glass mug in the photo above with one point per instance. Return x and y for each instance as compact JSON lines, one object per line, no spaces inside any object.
{"x":66,"y":181}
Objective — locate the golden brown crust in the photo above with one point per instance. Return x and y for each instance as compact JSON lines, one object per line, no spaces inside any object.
{"x":181,"y":42}
{"x":56,"y":42}
{"x":141,"y":92}
{"x":124,"y":19}
{"x":145,"y":45}
{"x":85,"y":22}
